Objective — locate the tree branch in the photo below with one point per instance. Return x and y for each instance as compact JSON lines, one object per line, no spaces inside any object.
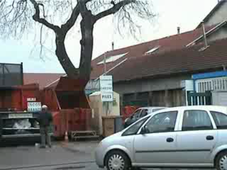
{"x":114,"y":9}
{"x":43,"y":21}
{"x":71,"y":21}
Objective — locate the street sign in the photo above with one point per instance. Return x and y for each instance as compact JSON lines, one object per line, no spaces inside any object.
{"x":107,"y":96}
{"x":106,"y":88}
{"x":34,"y":106}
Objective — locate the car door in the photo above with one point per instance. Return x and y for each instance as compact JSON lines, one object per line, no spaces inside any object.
{"x":196,"y":139}
{"x":155,"y":147}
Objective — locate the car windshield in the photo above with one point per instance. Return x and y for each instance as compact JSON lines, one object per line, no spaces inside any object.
{"x":135,"y":127}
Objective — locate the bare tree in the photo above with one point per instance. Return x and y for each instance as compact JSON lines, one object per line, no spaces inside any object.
{"x":17,"y":16}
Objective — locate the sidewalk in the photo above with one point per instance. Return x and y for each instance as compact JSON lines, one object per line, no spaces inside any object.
{"x":26,"y":156}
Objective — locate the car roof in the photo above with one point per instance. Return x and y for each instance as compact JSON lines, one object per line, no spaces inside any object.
{"x":152,"y":107}
{"x":201,"y":107}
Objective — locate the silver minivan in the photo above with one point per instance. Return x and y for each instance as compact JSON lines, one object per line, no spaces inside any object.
{"x":189,"y":136}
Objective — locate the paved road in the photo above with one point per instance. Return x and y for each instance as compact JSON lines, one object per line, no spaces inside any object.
{"x":60,"y":153}
{"x":62,"y":156}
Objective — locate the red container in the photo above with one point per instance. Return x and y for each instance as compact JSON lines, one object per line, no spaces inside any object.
{"x":16,"y":97}
{"x":67,"y":100}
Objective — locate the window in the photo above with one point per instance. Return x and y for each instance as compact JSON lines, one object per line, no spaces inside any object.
{"x":162,"y":122}
{"x":196,"y":120}
{"x":113,"y":58}
{"x":136,"y":115}
{"x":143,"y":113}
{"x":152,"y":50}
{"x":134,"y":129}
{"x":220,"y":119}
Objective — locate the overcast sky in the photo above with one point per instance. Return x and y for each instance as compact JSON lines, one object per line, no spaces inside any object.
{"x":170,"y":14}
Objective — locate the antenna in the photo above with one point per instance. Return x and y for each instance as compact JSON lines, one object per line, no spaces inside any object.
{"x":112,"y":45}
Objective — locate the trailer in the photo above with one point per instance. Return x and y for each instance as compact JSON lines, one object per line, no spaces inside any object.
{"x":19,"y":104}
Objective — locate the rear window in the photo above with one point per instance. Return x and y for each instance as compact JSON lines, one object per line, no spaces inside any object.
{"x":220,"y":119}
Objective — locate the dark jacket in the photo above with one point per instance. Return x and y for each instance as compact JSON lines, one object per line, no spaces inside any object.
{"x":45,"y":118}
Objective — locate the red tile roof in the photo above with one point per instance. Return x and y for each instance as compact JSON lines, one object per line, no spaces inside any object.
{"x":43,"y":79}
{"x":166,"y":44}
{"x":174,"y":62}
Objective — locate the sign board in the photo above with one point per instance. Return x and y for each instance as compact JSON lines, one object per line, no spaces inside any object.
{"x":31,"y":99}
{"x":20,"y":116}
{"x":34,"y":106}
{"x":107,"y":96}
{"x":187,"y":84}
{"x":106,"y":88}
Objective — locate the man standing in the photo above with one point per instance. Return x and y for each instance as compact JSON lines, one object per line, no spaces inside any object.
{"x":45,"y":118}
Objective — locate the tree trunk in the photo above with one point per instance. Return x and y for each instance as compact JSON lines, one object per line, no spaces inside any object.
{"x":63,"y":57}
{"x":87,"y":26}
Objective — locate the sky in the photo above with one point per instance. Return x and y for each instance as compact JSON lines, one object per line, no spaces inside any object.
{"x":170,"y":14}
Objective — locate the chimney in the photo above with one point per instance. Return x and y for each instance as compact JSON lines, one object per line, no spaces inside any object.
{"x":204,"y":35}
{"x":178,"y":30}
{"x":112,"y":45}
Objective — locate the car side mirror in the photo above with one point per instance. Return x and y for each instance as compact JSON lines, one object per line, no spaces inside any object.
{"x":144,"y":130}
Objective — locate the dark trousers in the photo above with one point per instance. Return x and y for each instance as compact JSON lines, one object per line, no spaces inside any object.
{"x":45,"y":136}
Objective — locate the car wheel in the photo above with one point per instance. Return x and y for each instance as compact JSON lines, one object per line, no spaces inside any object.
{"x":221,"y":161}
{"x":117,"y":160}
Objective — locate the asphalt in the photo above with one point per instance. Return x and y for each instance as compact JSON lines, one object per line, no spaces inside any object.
{"x":25,"y":155}
{"x":77,"y":154}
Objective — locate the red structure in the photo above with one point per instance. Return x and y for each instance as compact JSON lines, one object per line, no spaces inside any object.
{"x":15,"y":97}
{"x":127,"y":111}
{"x":69,"y":105}
{"x":66,"y":99}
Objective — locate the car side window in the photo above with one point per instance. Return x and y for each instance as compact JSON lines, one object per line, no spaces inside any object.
{"x":220,"y":119}
{"x":136,"y":114}
{"x":162,"y":122}
{"x":134,"y":128}
{"x":196,"y":120}
{"x":143,"y":113}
